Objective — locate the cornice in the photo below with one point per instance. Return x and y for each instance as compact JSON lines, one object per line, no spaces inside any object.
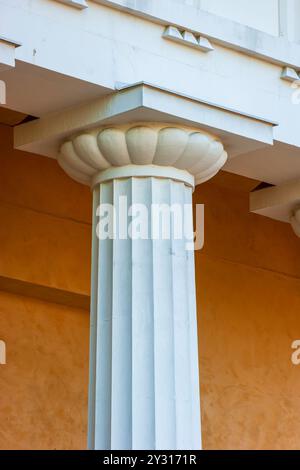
{"x":217,"y":29}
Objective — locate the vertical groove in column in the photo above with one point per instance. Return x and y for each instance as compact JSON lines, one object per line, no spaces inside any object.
{"x":104,"y":334}
{"x":165,"y":412}
{"x":181,"y":320}
{"x":196,"y":442}
{"x":121,"y":388}
{"x":93,"y":324}
{"x":143,"y":398}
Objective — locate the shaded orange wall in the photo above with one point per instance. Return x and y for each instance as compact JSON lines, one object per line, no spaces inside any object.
{"x":45,"y":235}
{"x":43,"y":387}
{"x":248,"y":293}
{"x":45,"y":229}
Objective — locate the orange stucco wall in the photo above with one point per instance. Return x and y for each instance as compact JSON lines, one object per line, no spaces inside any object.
{"x":248,"y":292}
{"x":45,"y":238}
{"x":43,"y":387}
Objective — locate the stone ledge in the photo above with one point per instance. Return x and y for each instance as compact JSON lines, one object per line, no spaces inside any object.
{"x":79,"y":4}
{"x":48,"y":294}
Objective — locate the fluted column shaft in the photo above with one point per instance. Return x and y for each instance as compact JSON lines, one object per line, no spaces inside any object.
{"x":144,"y":385}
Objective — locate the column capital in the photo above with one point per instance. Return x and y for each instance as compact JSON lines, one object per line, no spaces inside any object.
{"x":163,"y":150}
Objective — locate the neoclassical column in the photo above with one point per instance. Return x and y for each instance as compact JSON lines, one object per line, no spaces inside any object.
{"x":144,"y":382}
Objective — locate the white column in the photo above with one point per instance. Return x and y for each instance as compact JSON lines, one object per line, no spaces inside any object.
{"x":144,"y":382}
{"x":145,"y":388}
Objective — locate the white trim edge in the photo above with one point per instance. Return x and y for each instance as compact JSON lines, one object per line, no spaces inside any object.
{"x":144,"y":171}
{"x":79,"y":4}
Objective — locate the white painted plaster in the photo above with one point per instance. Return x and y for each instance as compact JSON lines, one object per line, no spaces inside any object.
{"x":144,"y":382}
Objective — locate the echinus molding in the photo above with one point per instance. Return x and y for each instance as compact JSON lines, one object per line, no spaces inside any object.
{"x":142,"y":150}
{"x":79,"y":4}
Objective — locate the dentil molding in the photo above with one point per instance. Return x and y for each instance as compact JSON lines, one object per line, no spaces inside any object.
{"x":188,"y":39}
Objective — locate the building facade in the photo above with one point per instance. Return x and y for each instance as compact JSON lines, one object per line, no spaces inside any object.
{"x":179,"y":104}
